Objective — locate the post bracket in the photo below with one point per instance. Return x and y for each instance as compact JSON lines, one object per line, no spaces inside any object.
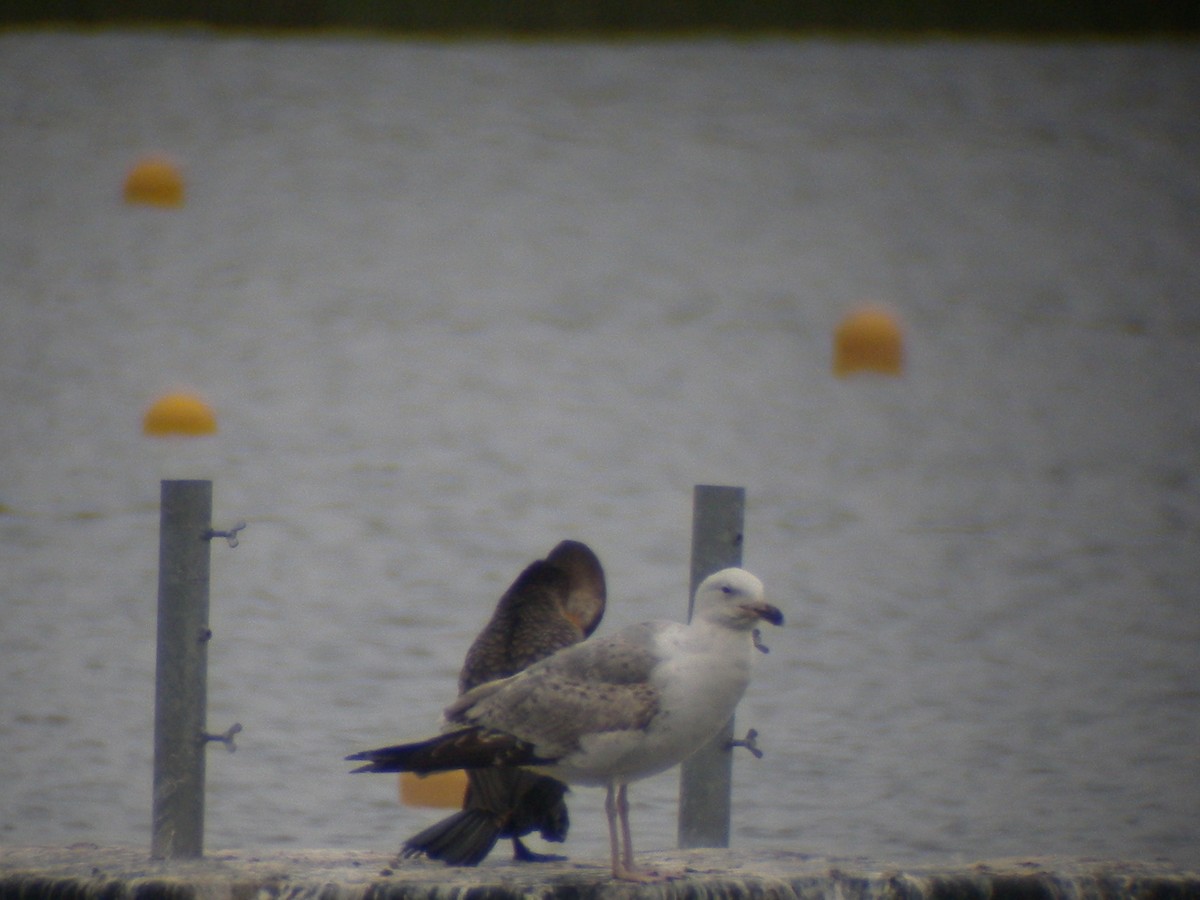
{"x":230,"y":535}
{"x":226,"y":738}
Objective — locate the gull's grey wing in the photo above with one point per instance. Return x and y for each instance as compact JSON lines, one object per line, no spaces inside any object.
{"x":627,"y":657}
{"x":596,"y":686}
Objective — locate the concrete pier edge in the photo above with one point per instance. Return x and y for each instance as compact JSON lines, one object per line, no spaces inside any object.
{"x":89,"y":872}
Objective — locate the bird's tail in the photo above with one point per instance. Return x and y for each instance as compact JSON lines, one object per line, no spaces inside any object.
{"x":467,"y":748}
{"x":462,"y":839}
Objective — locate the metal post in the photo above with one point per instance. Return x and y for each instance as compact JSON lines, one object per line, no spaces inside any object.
{"x":181,"y":670}
{"x":706,"y":779}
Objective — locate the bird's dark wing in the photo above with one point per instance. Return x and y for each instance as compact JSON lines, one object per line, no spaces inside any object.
{"x":528,"y":624}
{"x":467,"y":748}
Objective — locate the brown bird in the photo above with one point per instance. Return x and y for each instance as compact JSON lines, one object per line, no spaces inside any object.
{"x":555,"y":602}
{"x":609,"y":711}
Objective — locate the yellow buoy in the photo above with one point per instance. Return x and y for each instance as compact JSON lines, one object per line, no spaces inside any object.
{"x":179,"y":414}
{"x":441,"y":790}
{"x":868,"y":340}
{"x":155,"y":181}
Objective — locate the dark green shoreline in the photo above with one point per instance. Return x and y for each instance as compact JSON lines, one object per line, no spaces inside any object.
{"x":643,"y":17}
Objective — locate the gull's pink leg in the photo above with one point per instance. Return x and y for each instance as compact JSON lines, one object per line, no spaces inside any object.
{"x":626,"y":834}
{"x":616,"y":804}
{"x":610,"y":807}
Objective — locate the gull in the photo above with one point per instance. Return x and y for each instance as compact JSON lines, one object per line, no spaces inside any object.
{"x":607,"y":711}
{"x":554,"y":602}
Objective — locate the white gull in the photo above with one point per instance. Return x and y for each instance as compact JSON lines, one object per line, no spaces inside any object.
{"x":607,"y":711}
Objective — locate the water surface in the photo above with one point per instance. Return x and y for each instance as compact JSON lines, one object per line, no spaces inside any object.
{"x":455,"y":302}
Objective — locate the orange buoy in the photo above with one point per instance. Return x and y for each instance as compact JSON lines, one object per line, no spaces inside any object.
{"x":441,"y":790}
{"x":868,"y":340}
{"x":179,"y":414}
{"x":154,"y":181}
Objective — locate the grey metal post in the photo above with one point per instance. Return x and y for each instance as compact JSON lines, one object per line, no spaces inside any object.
{"x":706,"y":779}
{"x":180,"y":694}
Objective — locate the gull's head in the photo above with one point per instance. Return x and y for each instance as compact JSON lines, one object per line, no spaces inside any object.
{"x":734,"y":598}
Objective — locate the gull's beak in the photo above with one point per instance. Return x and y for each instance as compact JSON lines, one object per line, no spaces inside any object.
{"x":764,"y":611}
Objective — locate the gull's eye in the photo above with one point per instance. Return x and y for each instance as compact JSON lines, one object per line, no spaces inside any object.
{"x":726,"y":589}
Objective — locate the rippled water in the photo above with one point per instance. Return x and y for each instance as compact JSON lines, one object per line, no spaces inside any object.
{"x":454,"y":302}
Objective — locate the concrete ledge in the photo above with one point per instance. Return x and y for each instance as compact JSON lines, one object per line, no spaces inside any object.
{"x":88,"y":872}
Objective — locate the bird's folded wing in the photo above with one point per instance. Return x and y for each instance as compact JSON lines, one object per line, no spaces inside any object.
{"x":466,"y":748}
{"x":597,"y":686}
{"x":627,"y":657}
{"x":555,"y":715}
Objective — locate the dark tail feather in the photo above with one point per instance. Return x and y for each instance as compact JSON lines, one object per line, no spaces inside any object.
{"x":419,"y":757}
{"x":469,"y":748}
{"x":463,"y":839}
{"x":500,"y":803}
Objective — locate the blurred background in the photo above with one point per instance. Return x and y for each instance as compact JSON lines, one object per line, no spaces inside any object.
{"x":452,"y":301}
